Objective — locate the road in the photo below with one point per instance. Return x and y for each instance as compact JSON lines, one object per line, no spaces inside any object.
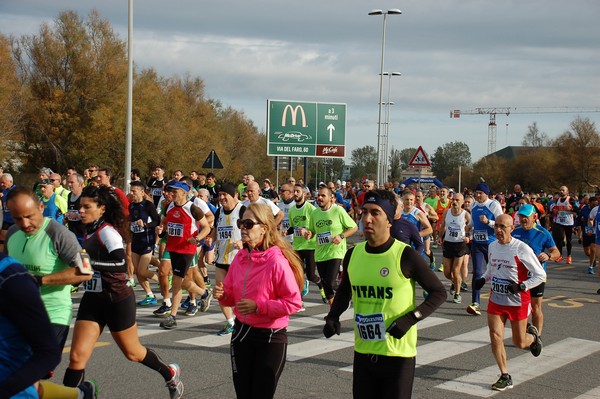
{"x":454,"y":356}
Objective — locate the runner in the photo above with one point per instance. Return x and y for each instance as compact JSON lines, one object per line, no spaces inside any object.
{"x":454,"y":236}
{"x":380,"y":280}
{"x":563,"y":216}
{"x":108,"y":300}
{"x":511,"y":261}
{"x":331,"y":225}
{"x":432,"y":216}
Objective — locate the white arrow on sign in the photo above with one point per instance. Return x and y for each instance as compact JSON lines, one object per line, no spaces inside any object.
{"x":331,"y":128}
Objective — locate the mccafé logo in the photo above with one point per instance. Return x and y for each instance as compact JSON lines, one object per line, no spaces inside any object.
{"x":294,"y":112}
{"x":329,"y":150}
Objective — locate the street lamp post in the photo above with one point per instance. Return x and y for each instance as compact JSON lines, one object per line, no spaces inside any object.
{"x":392,"y":11}
{"x":386,"y":136}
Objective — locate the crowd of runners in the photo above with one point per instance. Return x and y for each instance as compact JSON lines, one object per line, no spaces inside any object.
{"x":266,"y":244}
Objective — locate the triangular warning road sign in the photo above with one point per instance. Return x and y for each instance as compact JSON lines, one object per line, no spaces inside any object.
{"x":420,"y":158}
{"x":212,"y":162}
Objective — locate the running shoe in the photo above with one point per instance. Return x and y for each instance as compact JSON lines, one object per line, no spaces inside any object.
{"x":464,"y":287}
{"x":148,"y":301}
{"x":305,"y":289}
{"x":536,"y":346}
{"x":226,"y":330}
{"x":323,"y":296}
{"x":207,"y":283}
{"x":590,"y":270}
{"x":559,"y":259}
{"x":74,"y":289}
{"x":191,"y":310}
{"x":474,"y":309}
{"x":434,"y":245}
{"x":452,"y":290}
{"x":432,"y":266}
{"x":169,"y":323}
{"x":569,"y":260}
{"x":504,"y":382}
{"x":186,"y":303}
{"x":441,"y":268}
{"x":89,"y":389}
{"x":164,"y":310}
{"x":425,"y":294}
{"x":131,"y":282}
{"x":205,"y":302}
{"x":457,"y":298}
{"x":174,"y":384}
{"x":302,"y":309}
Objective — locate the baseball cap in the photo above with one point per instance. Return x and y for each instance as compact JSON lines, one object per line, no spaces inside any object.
{"x":180,"y":185}
{"x":526,"y":210}
{"x":45,"y":182}
{"x":268,"y":181}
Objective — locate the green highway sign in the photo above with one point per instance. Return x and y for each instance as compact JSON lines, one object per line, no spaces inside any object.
{"x":306,"y":129}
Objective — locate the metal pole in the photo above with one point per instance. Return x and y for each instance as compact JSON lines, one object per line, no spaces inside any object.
{"x":378,"y":178}
{"x":128,"y":135}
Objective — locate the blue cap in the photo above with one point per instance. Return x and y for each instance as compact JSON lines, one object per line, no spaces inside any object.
{"x":526,"y":210}
{"x":483,"y":188}
{"x":180,"y":185}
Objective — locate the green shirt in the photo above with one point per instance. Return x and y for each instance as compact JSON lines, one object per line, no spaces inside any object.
{"x":49,"y":250}
{"x":327,"y":224}
{"x":300,"y":217}
{"x":381,"y":294}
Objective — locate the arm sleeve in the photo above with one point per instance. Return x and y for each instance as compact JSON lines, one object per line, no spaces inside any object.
{"x":113,"y":242}
{"x":287,"y":299}
{"x":65,"y":243}
{"x":154,"y":218}
{"x":32,"y":321}
{"x":343,"y":295}
{"x":413,"y":266}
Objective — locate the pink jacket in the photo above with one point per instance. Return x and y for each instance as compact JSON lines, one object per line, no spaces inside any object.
{"x":267,"y":278}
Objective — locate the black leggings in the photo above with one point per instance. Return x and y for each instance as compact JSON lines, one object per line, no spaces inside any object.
{"x":378,"y":376}
{"x":308,"y":258}
{"x":257,"y":363}
{"x":328,"y":270}
{"x":559,"y":234}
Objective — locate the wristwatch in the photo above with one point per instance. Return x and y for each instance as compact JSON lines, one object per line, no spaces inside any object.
{"x":342,"y":236}
{"x":418,"y":315}
{"x":522,"y":287}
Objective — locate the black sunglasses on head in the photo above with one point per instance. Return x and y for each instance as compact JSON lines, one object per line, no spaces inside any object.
{"x":246,"y":223}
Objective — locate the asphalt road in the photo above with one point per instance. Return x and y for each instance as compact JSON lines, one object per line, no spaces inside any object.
{"x":454,"y":355}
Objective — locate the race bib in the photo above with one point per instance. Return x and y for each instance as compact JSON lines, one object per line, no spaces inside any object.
{"x":298,"y":232}
{"x":156,"y":191}
{"x":175,"y":229}
{"x":73,"y":215}
{"x":324,"y":238}
{"x":480,"y":235}
{"x":93,"y":285}
{"x":224,"y":233}
{"x":370,"y":327}
{"x":453,"y":232}
{"x":500,"y":286}
{"x":285,"y":225}
{"x":136,"y":228}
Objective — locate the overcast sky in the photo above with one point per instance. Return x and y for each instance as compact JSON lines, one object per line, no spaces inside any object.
{"x":453,"y":54}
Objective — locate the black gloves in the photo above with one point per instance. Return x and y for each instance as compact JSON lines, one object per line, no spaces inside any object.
{"x":478,"y":283}
{"x":332,"y":326}
{"x":401,"y":325}
{"x":514,"y":287}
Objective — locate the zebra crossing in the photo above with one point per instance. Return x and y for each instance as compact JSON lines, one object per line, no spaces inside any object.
{"x":306,"y":342}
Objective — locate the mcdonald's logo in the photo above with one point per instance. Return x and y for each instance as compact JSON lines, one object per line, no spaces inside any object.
{"x":294,"y":112}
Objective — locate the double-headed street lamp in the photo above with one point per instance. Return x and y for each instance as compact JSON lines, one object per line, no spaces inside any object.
{"x":392,"y":11}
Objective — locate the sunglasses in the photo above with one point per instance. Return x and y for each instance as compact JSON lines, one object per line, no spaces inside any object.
{"x":246,"y":223}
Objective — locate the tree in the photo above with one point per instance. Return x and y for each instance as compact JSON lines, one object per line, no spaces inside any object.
{"x":406,"y":155}
{"x":448,"y":158}
{"x":364,"y":162}
{"x":395,"y":164}
{"x":535,"y":138}
{"x":11,"y":99}
{"x":76,"y":72}
{"x":576,"y":153}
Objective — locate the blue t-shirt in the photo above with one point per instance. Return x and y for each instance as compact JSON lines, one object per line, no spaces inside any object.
{"x":483,"y":233}
{"x":538,"y":238}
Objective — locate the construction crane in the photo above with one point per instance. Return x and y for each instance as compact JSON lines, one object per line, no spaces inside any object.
{"x":492,"y":111}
